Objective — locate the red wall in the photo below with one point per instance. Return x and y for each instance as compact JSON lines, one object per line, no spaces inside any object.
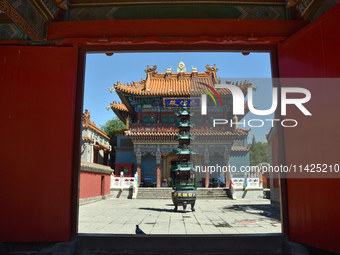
{"x":91,"y":184}
{"x":314,"y":204}
{"x":37,"y":103}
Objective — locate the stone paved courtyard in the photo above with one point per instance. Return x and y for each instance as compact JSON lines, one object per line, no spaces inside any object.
{"x":120,"y":216}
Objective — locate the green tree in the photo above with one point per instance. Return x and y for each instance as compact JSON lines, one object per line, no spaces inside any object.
{"x":258,"y":152}
{"x":112,"y":125}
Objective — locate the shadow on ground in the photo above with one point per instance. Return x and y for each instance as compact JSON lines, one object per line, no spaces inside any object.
{"x":263,"y":210}
{"x":157,"y":209}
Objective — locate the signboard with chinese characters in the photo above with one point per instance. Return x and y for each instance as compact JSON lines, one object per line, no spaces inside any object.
{"x":177,"y":103}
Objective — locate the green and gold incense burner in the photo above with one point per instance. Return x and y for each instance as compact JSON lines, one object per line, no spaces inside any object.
{"x":184,"y":198}
{"x":184,"y":182}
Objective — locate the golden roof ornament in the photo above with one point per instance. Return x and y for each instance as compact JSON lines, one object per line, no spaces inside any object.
{"x":86,"y":117}
{"x":181,"y":68}
{"x":211,"y":70}
{"x":151,"y":70}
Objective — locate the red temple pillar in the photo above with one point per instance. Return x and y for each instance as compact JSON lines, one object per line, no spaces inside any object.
{"x":138,"y":163}
{"x":207,"y":169}
{"x":207,"y":176}
{"x":159,"y":175}
{"x":227,"y":177}
{"x":159,"y":167}
{"x":139,"y":171}
{"x":226,"y":157}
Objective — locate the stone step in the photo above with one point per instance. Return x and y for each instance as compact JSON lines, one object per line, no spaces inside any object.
{"x":165,"y":193}
{"x":154,"y":193}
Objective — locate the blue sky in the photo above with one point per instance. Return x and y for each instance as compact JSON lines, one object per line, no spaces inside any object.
{"x":103,"y":71}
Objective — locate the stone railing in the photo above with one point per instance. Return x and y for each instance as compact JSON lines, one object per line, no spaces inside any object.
{"x":254,"y":183}
{"x":246,"y":183}
{"x":121,"y":182}
{"x":238,"y":183}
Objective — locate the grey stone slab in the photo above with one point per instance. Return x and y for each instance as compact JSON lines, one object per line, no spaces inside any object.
{"x":177,"y":229}
{"x":258,"y":228}
{"x":209,"y":230}
{"x":245,"y":230}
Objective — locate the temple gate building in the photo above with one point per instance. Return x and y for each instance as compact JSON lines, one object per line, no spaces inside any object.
{"x":95,"y":170}
{"x":95,"y":144}
{"x":148,"y":108}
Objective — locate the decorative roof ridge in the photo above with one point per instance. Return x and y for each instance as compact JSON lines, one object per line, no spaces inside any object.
{"x":240,"y":149}
{"x":210,"y":72}
{"x":88,"y":123}
{"x":175,"y":75}
{"x":242,"y":84}
{"x":241,"y":130}
{"x":153,"y":132}
{"x":176,"y":84}
{"x":95,"y":167}
{"x":102,"y":145}
{"x":122,"y":131}
{"x":161,"y":76}
{"x":119,"y":106}
{"x":195,"y":133}
{"x":97,"y":129}
{"x":85,"y":138}
{"x":151,"y":73}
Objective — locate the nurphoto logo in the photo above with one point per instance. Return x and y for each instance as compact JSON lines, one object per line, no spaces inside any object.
{"x":238,"y":104}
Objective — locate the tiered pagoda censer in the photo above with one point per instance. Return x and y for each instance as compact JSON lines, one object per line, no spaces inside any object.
{"x":183,"y":173}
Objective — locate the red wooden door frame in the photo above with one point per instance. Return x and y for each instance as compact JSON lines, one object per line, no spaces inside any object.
{"x":157,"y":35}
{"x":153,"y":36}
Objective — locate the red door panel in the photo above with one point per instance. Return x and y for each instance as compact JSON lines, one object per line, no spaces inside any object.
{"x":37,"y":102}
{"x":314,"y":204}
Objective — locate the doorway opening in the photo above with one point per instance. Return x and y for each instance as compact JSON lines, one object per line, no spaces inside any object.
{"x":128,"y":140}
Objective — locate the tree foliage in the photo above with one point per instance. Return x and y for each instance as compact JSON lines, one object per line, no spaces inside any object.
{"x":258,"y":152}
{"x":112,"y":125}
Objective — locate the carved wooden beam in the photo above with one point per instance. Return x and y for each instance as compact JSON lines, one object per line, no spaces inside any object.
{"x":41,"y":7}
{"x":11,"y":12}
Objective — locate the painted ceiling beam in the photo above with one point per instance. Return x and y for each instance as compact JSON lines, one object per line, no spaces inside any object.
{"x":43,"y":10}
{"x":174,"y":28}
{"x":17,"y":18}
{"x":30,"y":16}
{"x":3,"y":16}
{"x":175,"y":2}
